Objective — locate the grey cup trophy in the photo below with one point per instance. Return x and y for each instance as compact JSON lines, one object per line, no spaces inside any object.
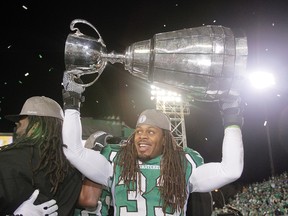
{"x":203,"y":61}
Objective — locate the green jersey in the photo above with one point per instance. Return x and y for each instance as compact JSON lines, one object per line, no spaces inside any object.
{"x":148,"y":202}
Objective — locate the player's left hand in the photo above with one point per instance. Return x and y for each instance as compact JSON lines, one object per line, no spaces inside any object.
{"x":231,"y":108}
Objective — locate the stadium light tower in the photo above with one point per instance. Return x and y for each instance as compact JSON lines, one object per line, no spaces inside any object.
{"x":172,"y":104}
{"x":263,"y":80}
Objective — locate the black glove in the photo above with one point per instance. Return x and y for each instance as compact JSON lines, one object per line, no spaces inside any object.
{"x":72,"y":92}
{"x":231,"y":108}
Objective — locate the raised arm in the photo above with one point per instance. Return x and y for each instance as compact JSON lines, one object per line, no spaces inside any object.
{"x":211,"y":176}
{"x":90,"y":163}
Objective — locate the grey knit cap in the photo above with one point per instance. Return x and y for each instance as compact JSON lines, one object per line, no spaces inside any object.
{"x":155,"y":118}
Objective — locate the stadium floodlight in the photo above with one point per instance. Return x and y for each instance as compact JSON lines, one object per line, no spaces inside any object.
{"x":262,"y":79}
{"x":164,"y":95}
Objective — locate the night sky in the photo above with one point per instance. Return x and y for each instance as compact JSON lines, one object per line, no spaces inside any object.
{"x":33,"y":35}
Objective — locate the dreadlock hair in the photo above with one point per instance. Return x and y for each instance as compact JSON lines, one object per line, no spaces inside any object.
{"x":46,"y":132}
{"x":172,"y":171}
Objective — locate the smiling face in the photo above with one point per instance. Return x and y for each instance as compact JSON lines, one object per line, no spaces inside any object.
{"x":149,"y":141}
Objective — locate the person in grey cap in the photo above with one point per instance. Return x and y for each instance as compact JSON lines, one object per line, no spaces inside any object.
{"x":150,"y":174}
{"x":35,"y":162}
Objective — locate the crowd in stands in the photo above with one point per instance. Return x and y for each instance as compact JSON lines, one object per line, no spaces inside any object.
{"x":266,"y":198}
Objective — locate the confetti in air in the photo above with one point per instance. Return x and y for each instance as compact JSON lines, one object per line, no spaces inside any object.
{"x":42,"y":29}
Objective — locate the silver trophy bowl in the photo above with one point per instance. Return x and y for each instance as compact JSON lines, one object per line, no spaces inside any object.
{"x":204,"y":62}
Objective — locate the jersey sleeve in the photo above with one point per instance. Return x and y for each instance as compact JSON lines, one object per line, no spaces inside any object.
{"x":90,"y":163}
{"x":196,"y":158}
{"x":109,"y":151}
{"x":211,"y":176}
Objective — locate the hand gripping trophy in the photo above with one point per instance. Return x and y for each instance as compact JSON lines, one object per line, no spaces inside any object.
{"x":202,"y":61}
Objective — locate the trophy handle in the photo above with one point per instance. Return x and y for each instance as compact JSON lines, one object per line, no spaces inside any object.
{"x":77,"y":46}
{"x":75,"y":21}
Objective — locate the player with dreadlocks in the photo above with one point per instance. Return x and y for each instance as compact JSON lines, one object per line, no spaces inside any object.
{"x":150,"y":174}
{"x":173,"y":190}
{"x":36,"y":160}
